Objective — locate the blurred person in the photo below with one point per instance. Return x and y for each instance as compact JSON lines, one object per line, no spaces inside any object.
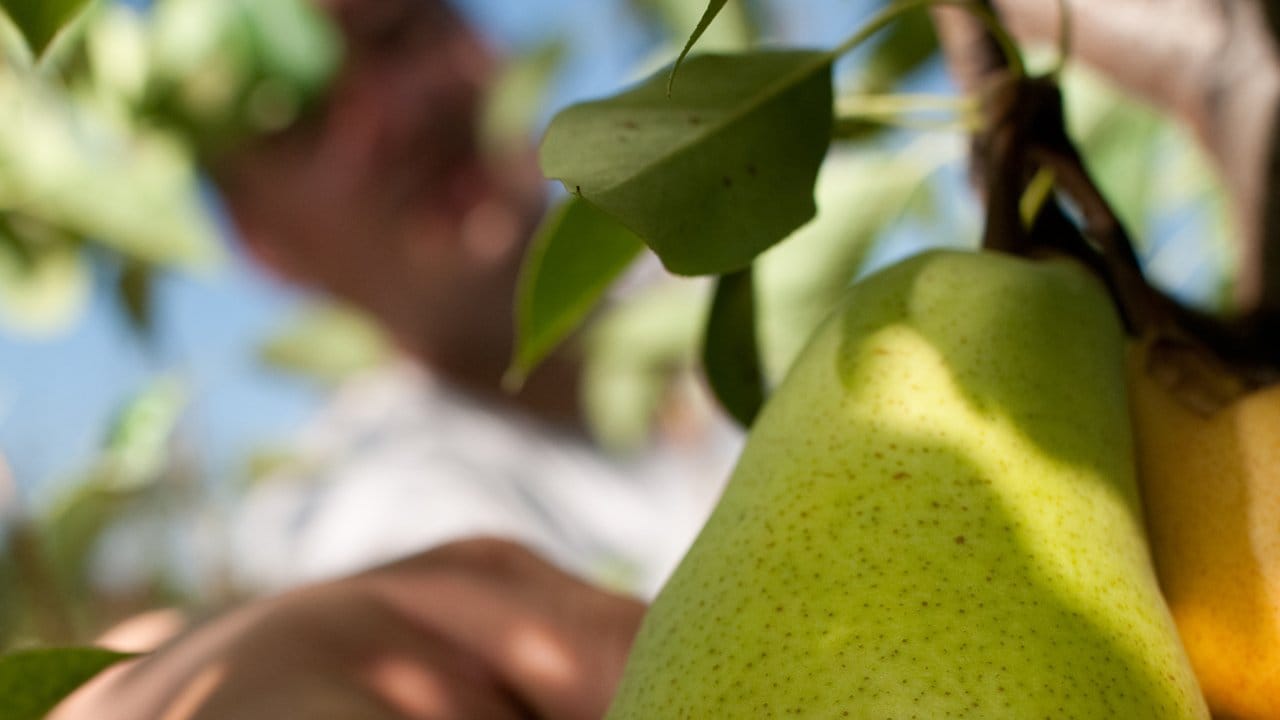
{"x":388,"y":199}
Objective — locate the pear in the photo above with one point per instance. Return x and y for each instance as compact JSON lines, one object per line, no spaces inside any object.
{"x":1211,"y":480}
{"x":935,"y":516}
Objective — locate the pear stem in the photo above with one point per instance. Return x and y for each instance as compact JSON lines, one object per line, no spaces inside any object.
{"x":1008,"y":46}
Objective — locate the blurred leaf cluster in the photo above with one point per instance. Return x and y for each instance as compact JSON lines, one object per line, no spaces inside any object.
{"x":105,"y":112}
{"x":140,"y":478}
{"x":326,"y":344}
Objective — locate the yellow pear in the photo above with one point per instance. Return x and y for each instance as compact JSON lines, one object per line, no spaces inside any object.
{"x":1211,"y":482}
{"x":935,"y":516}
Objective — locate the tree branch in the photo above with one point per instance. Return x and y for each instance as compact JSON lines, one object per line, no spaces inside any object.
{"x":1213,"y":64}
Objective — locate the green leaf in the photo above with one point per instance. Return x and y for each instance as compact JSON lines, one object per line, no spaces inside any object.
{"x":72,"y":167}
{"x":44,"y":279}
{"x":731,"y":355}
{"x":10,"y":601}
{"x":735,"y":28}
{"x":16,"y":251}
{"x":33,"y":682}
{"x":574,"y":259}
{"x":64,"y":57}
{"x":634,"y":353}
{"x":14,"y":50}
{"x":714,"y":175}
{"x":900,"y":49}
{"x":225,"y":70}
{"x":134,"y":296}
{"x":40,"y":20}
{"x":70,"y":531}
{"x":327,"y":344}
{"x":295,"y":42}
{"x":519,"y":95}
{"x":713,"y":9}
{"x":139,"y":443}
{"x":117,"y":56}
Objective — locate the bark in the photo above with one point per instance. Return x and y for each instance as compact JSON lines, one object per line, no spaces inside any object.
{"x":1214,"y":65}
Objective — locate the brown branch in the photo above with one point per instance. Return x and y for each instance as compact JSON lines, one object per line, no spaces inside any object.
{"x":973,"y":58}
{"x":980,"y":68}
{"x":43,"y":601}
{"x":1187,"y":56}
{"x":1024,"y":131}
{"x":1213,"y":64}
{"x":972,"y":55}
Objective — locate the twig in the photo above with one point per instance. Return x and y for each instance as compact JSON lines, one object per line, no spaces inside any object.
{"x":1025,"y":133}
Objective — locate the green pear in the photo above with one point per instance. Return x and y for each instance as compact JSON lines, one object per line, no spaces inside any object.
{"x":935,"y":516}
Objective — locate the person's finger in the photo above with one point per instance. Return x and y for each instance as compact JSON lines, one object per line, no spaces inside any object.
{"x":335,"y":649}
{"x":331,"y":651}
{"x":557,"y":642}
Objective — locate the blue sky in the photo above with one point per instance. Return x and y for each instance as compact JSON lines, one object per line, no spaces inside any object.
{"x":57,"y":395}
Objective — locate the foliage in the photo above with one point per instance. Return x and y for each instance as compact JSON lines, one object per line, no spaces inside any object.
{"x":108,"y":114}
{"x":710,"y":173}
{"x":224,"y":70}
{"x":326,"y":344}
{"x":32,"y":682}
{"x":40,"y":20}
{"x":573,"y":259}
{"x":51,"y":552}
{"x":639,"y":157}
{"x":633,"y":353}
{"x":729,"y":158}
{"x":518,"y":97}
{"x":104,"y":126}
{"x":714,"y":7}
{"x":731,"y":354}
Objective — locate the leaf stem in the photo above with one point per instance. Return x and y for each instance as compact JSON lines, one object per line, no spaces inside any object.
{"x":44,"y":600}
{"x":903,"y":103}
{"x":881,"y":19}
{"x":855,"y":112}
{"x":852,"y":127}
{"x":1038,"y":192}
{"x":1064,"y":38}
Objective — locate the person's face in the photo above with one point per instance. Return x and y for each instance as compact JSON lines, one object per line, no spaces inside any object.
{"x":384,"y":196}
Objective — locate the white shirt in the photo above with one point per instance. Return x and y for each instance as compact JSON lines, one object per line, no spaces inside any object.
{"x":399,"y":462}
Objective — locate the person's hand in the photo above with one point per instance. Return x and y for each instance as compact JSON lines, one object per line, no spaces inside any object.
{"x":477,"y":629}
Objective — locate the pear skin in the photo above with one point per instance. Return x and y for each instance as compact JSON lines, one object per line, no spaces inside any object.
{"x":1211,"y":483}
{"x":935,"y":516}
